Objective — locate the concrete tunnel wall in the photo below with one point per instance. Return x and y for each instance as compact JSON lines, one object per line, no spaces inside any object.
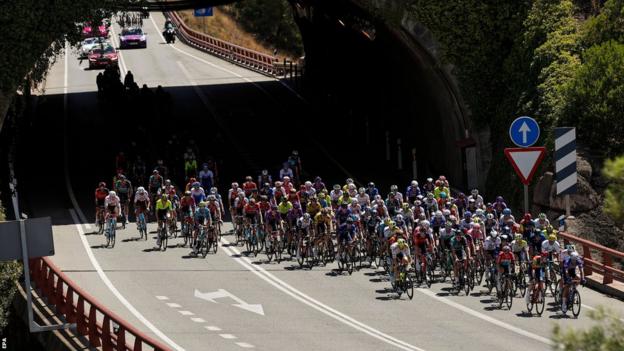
{"x":396,"y":82}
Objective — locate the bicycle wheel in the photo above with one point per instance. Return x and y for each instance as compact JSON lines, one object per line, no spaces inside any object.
{"x":349,"y":263}
{"x":165,"y":240}
{"x":540,"y":304}
{"x":113,"y":238}
{"x":268,"y":250}
{"x":552,"y":281}
{"x":300,"y":256}
{"x":409,"y":286}
{"x":532,"y":302}
{"x":465,"y":282}
{"x":523,"y":283}
{"x":510,"y":295}
{"x":108,"y":237}
{"x":205,"y":246}
{"x":500,"y":296}
{"x":278,"y":250}
{"x":341,"y":265}
{"x":356,"y":258}
{"x":215,"y":243}
{"x":331,"y":250}
{"x":557,"y":294}
{"x":430,"y":275}
{"x":576,"y":303}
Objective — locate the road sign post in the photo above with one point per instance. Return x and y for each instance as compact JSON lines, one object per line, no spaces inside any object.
{"x":525,"y":161}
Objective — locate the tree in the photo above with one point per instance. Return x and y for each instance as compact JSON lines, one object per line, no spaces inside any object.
{"x":36,"y":34}
{"x":614,"y":197}
{"x":9,"y":273}
{"x":595,"y":104}
{"x":606,"y":335}
{"x":608,"y":25}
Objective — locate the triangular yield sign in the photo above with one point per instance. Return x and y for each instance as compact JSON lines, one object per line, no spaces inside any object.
{"x":525,"y":161}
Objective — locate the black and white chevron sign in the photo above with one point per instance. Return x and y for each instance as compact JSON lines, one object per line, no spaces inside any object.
{"x":565,"y":160}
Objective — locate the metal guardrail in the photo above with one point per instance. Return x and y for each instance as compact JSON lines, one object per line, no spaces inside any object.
{"x":231,"y":52}
{"x":101,"y":326}
{"x":601,"y":263}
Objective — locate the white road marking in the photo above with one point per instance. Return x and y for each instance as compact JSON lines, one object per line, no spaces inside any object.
{"x":122,"y":64}
{"x":485,"y":317}
{"x":162,"y":298}
{"x":245,"y":345}
{"x":198,"y":320}
{"x":173,"y":305}
{"x":72,"y":197}
{"x":228,"y":336}
{"x":221,"y":293}
{"x":111,"y":287}
{"x":212,"y":328}
{"x":186,"y":313}
{"x":298,"y":295}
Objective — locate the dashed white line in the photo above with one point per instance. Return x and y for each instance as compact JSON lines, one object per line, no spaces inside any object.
{"x":245,"y":345}
{"x":228,"y":336}
{"x":186,"y":313}
{"x":162,"y":298}
{"x":173,"y":305}
{"x":212,"y":328}
{"x":198,"y":320}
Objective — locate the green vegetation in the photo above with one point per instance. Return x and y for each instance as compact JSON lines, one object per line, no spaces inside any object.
{"x":9,"y":273}
{"x":614,"y":197}
{"x":606,"y":335}
{"x":272,"y":21}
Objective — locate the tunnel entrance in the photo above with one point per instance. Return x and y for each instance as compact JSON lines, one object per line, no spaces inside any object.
{"x":383,"y":90}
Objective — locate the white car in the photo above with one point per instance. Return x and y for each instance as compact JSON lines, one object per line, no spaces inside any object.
{"x":89,"y":44}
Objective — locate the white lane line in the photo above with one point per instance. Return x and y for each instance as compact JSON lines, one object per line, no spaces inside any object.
{"x":122,"y":64}
{"x":212,"y":328}
{"x":173,"y":305}
{"x":485,"y":317}
{"x":245,"y":345}
{"x":228,"y":336}
{"x":162,"y":298}
{"x":111,"y":287}
{"x":72,"y":197}
{"x":298,"y":295}
{"x":198,"y":320}
{"x":186,"y":313}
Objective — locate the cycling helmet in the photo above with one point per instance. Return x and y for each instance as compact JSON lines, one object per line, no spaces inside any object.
{"x":196,"y":185}
{"x":112,"y":193}
{"x":490,"y":216}
{"x":336,"y":187}
{"x":443,"y":195}
{"x":213,"y":190}
{"x":552,"y":237}
{"x":286,"y":178}
{"x":265,"y":172}
{"x":417,"y":203}
{"x":168,"y":182}
{"x":429,"y":180}
{"x":155,"y":171}
{"x":102,"y":185}
{"x":499,"y":199}
{"x":306,"y":216}
{"x":308,"y":183}
{"x":349,"y":181}
{"x":349,"y":220}
{"x":468,"y":214}
{"x":414,"y":183}
{"x":295,"y":205}
{"x":248,"y":178}
{"x":506,"y":248}
{"x":202,"y":204}
{"x":527,"y":216}
{"x":476,"y":226}
{"x":430,"y":195}
{"x":475,"y":192}
{"x":344,"y":203}
{"x":570,"y":248}
{"x":574,"y":255}
{"x":461,"y":195}
{"x":518,"y":236}
{"x":394,"y":188}
{"x":140,"y":189}
{"x":506,"y":211}
{"x":401,"y":244}
{"x":252,"y":201}
{"x":235,"y":185}
{"x":212,"y":198}
{"x":479,"y":212}
{"x":278,"y":184}
{"x":493,"y":233}
{"x":187,"y":193}
{"x":371,"y":185}
{"x":542,"y":216}
{"x":452,"y":219}
{"x":362,"y":190}
{"x":406,"y":206}
{"x":438,"y":183}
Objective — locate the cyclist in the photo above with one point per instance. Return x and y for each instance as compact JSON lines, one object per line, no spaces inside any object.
{"x":112,"y":205}
{"x":460,"y":250}
{"x":323,"y":221}
{"x":429,"y":186}
{"x":466,"y":223}
{"x":552,"y":247}
{"x":272,"y":219}
{"x":393,"y":204}
{"x":335,"y":196}
{"x":536,"y":275}
{"x":412,"y":192}
{"x":198,"y":193}
{"x":520,"y":248}
{"x":278,"y":191}
{"x":506,"y":217}
{"x":536,"y":238}
{"x":568,"y":275}
{"x":478,"y":199}
{"x":371,"y":190}
{"x":214,"y":207}
{"x":461,"y":203}
{"x":318,"y":184}
{"x":346,"y":235}
{"x":400,"y":256}
{"x":294,"y":214}
{"x":232,"y":195}
{"x":343,"y":213}
{"x":249,"y":185}
{"x":123,"y":188}
{"x":101,"y":192}
{"x":491,"y":245}
{"x":141,"y":202}
{"x":201,"y":217}
{"x":284,"y":207}
{"x":499,"y":205}
{"x":423,"y":243}
{"x":542,"y":222}
{"x":264,"y":178}
{"x":187,"y":205}
{"x":252,"y":212}
{"x":363,"y":198}
{"x":430,"y":204}
{"x":313,"y":207}
{"x":164,"y":207}
{"x":214,"y":191}
{"x":504,"y":264}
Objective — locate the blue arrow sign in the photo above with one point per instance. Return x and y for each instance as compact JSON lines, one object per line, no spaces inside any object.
{"x":203,"y":12}
{"x":524,"y":131}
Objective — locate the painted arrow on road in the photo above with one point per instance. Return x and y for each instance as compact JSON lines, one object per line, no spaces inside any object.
{"x":221,"y":293}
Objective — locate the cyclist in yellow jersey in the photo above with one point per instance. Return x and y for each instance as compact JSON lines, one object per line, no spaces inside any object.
{"x":313,"y":207}
{"x":283,"y":207}
{"x":163,"y":207}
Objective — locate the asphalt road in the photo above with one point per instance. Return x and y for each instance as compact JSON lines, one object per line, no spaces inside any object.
{"x":304,"y":309}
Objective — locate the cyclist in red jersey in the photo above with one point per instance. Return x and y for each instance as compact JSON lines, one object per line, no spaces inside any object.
{"x":249,"y":186}
{"x":101,"y":192}
{"x":252,"y":212}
